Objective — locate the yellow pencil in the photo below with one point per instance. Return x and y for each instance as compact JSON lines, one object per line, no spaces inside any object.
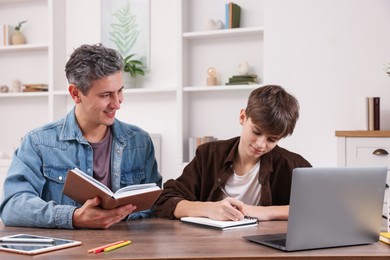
{"x":110,"y":248}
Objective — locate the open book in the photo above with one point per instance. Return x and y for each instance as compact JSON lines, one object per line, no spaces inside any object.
{"x":220,"y":224}
{"x":81,"y":187}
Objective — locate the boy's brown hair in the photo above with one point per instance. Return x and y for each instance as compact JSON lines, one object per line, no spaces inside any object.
{"x":273,"y":110}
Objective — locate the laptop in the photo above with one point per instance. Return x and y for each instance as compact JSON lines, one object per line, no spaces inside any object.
{"x":331,"y":207}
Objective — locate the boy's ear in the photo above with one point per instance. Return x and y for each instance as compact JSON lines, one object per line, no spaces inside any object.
{"x":242,"y":116}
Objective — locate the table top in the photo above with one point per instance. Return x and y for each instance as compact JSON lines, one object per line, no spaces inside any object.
{"x":171,"y":239}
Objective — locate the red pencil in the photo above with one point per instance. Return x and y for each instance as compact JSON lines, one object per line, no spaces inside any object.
{"x":101,"y":248}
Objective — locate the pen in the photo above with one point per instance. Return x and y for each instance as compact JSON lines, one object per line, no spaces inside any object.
{"x":110,"y":248}
{"x":101,"y":248}
{"x":224,"y":191}
{"x":227,"y":195}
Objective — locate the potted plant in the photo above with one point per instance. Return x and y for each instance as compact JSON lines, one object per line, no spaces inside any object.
{"x":132,"y":69}
{"x":17,"y":36}
{"x":135,"y":67}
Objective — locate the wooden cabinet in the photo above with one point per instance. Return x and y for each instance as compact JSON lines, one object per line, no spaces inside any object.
{"x":365,"y":148}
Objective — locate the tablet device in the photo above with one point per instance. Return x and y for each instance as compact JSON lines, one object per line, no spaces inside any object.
{"x":31,"y":244}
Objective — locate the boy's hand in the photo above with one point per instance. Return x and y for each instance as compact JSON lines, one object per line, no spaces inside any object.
{"x":227,"y":209}
{"x":90,"y":215}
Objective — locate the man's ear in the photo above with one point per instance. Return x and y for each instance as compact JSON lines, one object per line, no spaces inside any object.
{"x":242,"y":116}
{"x":74,"y":93}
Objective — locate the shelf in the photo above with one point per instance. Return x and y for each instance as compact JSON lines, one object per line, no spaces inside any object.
{"x":127,"y":91}
{"x":220,"y":88}
{"x":23,"y":94}
{"x":223,"y":33}
{"x":17,"y":1}
{"x":149,"y":90}
{"x":23,"y":47}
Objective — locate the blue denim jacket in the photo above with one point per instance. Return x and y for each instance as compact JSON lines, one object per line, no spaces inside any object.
{"x":32,"y":194}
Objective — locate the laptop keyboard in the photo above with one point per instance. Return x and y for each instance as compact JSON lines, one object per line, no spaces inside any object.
{"x":279,"y":242}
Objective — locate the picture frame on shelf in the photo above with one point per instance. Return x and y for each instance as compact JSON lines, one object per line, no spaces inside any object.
{"x":126,"y":27}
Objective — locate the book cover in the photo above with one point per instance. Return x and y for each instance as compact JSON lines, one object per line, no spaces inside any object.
{"x":220,"y":224}
{"x":240,"y":83}
{"x":242,"y":80}
{"x":376,"y":112}
{"x":7,"y":34}
{"x":250,"y":76}
{"x":236,"y":13}
{"x":385,"y":237}
{"x":370,"y":113}
{"x":230,"y":15}
{"x":227,"y":15}
{"x":80,"y":187}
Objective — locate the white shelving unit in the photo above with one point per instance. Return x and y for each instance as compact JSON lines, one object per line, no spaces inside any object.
{"x":200,"y":110}
{"x":40,"y":60}
{"x":201,"y":49}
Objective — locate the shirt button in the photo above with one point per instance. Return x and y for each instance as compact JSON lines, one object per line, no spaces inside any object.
{"x":118,"y":152}
{"x":219,"y":180}
{"x":60,"y":178}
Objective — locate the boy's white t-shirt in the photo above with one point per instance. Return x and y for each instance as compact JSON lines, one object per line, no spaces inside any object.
{"x":245,"y":188}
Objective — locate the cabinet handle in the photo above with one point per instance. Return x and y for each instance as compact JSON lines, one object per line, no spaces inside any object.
{"x":380,"y":152}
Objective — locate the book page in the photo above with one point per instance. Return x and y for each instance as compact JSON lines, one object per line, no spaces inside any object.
{"x":136,"y":187}
{"x":131,"y":192}
{"x":93,"y":181}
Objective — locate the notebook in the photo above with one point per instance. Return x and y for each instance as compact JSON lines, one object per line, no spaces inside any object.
{"x":220,"y":224}
{"x":331,"y":207}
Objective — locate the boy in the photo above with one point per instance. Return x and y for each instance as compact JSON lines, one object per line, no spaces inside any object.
{"x":244,"y":176}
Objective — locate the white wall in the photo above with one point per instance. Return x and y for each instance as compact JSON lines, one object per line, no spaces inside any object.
{"x":156,"y":113}
{"x":331,"y":55}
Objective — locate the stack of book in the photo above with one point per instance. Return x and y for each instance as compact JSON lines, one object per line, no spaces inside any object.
{"x":194,"y":142}
{"x":35,"y":87}
{"x":385,"y":237}
{"x":242,"y":80}
{"x":233,"y":13}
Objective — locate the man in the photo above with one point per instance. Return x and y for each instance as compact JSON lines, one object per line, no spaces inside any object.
{"x":243,"y":176}
{"x":89,"y":138}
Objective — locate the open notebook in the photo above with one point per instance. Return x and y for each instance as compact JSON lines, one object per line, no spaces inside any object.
{"x":220,"y":224}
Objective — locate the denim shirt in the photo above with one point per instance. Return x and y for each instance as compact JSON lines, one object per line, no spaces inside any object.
{"x":32,"y":194}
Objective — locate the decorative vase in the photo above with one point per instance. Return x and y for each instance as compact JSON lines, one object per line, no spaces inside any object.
{"x":243,"y":68}
{"x":129,"y":81}
{"x":18,"y":38}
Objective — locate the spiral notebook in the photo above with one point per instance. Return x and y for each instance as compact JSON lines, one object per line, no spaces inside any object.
{"x":220,"y":224}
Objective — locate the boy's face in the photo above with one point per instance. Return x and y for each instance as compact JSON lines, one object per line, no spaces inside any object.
{"x":99,"y":106}
{"x":254,"y":142}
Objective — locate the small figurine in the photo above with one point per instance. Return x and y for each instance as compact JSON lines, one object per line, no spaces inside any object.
{"x":16,"y":86}
{"x":243,"y":68}
{"x":211,"y":76}
{"x":210,"y":24}
{"x":4,"y":89}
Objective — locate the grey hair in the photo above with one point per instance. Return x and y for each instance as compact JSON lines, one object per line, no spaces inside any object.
{"x":91,"y":62}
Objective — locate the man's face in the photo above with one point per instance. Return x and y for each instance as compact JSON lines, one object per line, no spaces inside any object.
{"x":99,"y":106}
{"x":254,"y":142}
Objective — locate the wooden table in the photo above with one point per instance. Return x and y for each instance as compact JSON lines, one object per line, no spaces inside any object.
{"x":172,"y":239}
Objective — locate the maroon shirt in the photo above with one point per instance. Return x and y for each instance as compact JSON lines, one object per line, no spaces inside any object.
{"x":212,"y":166}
